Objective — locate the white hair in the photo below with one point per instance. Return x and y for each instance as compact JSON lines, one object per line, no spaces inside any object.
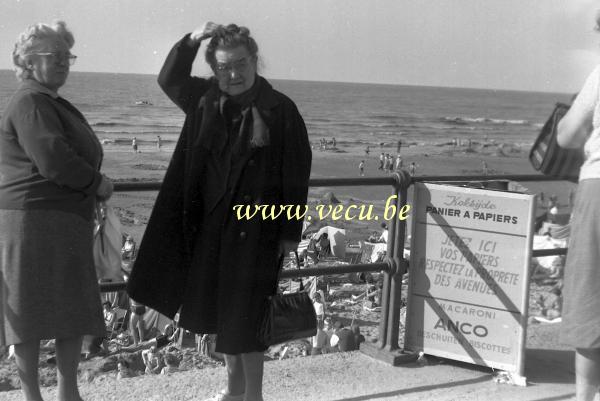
{"x":33,"y":37}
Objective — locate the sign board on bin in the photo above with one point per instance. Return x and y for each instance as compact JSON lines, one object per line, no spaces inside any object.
{"x":469,"y":275}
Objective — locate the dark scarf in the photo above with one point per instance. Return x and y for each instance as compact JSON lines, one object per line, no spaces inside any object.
{"x":230,"y":141}
{"x":251,"y":132}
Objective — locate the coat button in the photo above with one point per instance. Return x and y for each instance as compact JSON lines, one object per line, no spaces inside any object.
{"x":247,"y":198}
{"x":243,"y":235}
{"x":251,"y":163}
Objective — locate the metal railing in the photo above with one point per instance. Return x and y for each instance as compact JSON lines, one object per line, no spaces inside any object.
{"x":394,"y":266}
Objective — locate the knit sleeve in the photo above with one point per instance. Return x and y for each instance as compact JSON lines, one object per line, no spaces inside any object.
{"x":41,"y":135}
{"x":576,"y":126}
{"x":587,"y":98}
{"x":175,"y":75}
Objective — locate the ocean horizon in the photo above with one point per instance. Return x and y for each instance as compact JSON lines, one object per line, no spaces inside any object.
{"x":120,"y":106}
{"x":4,"y":70}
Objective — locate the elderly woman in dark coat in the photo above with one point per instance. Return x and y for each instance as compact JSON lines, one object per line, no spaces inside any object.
{"x":243,"y":143}
{"x":49,"y":183}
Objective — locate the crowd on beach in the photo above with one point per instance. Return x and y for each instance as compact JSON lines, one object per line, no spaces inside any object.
{"x":160,"y":350}
{"x":135,"y":145}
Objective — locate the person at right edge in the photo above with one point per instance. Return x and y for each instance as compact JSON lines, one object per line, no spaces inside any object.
{"x":580,"y":127}
{"x":243,"y":143}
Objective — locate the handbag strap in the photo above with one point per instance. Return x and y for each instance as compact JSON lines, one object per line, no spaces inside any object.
{"x":280,"y":263}
{"x":298,"y":264}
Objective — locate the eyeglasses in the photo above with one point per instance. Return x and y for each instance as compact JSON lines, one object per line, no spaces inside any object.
{"x":240,"y":65}
{"x":59,"y":57}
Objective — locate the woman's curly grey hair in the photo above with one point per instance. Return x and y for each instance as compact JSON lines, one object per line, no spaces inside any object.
{"x":230,"y":36}
{"x":32,"y":38}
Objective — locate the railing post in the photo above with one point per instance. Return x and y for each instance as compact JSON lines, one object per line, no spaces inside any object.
{"x":387,"y":348}
{"x":399,"y":264}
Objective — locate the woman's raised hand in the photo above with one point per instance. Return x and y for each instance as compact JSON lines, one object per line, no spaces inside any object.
{"x":204,"y":31}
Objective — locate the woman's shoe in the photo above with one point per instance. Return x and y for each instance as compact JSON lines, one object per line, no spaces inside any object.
{"x":222,"y":396}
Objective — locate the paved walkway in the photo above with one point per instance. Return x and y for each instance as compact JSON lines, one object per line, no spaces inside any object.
{"x":351,"y":377}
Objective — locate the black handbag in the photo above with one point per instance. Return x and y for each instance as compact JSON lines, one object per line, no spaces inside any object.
{"x":287,"y":317}
{"x":547,"y":157}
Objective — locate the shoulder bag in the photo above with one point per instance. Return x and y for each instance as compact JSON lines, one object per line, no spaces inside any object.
{"x":547,"y":157}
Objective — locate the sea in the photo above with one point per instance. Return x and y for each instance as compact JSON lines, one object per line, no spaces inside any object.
{"x":121,"y":106}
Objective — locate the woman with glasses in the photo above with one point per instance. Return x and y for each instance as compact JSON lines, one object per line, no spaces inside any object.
{"x":243,"y":143}
{"x":49,"y":184}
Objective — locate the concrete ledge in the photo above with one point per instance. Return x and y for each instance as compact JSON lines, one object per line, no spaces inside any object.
{"x":394,"y":358}
{"x":348,"y":376}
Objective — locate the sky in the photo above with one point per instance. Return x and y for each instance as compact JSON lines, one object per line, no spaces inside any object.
{"x":531,"y":45}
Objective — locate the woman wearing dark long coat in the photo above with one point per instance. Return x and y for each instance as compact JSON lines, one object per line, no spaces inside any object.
{"x":243,"y":143}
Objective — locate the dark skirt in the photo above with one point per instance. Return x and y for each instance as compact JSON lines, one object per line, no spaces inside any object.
{"x":581,"y":307}
{"x":49,"y":285}
{"x":225,"y":297}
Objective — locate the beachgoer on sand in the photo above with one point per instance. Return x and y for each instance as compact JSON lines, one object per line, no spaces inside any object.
{"x":384,"y":233}
{"x":251,"y":145}
{"x":123,"y":370}
{"x":134,"y":145}
{"x":320,"y":340}
{"x":319,"y":307}
{"x":136,"y":322}
{"x":50,"y":182}
{"x":172,"y":364}
{"x":343,"y":339}
{"x":386,"y":162}
{"x":358,"y":338}
{"x":128,"y":249}
{"x":109,"y":315}
{"x":398,"y":163}
{"x":580,"y":327}
{"x":323,"y":246}
{"x":152,"y":360}
{"x":361,"y":168}
{"x":158,"y":142}
{"x":374,"y":237}
{"x":381,"y":161}
{"x":412,"y":169}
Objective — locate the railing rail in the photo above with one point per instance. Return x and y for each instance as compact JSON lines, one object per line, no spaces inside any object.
{"x":394,"y":265}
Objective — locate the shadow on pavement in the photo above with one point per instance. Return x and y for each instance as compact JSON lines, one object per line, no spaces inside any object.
{"x":549,"y":366}
{"x":481,"y":379}
{"x":558,"y":397}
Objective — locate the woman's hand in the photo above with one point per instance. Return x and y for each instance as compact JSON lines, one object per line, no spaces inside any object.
{"x":205,"y":31}
{"x":105,"y":189}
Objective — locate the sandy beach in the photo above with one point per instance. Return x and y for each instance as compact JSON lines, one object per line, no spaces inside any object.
{"x":150,"y":164}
